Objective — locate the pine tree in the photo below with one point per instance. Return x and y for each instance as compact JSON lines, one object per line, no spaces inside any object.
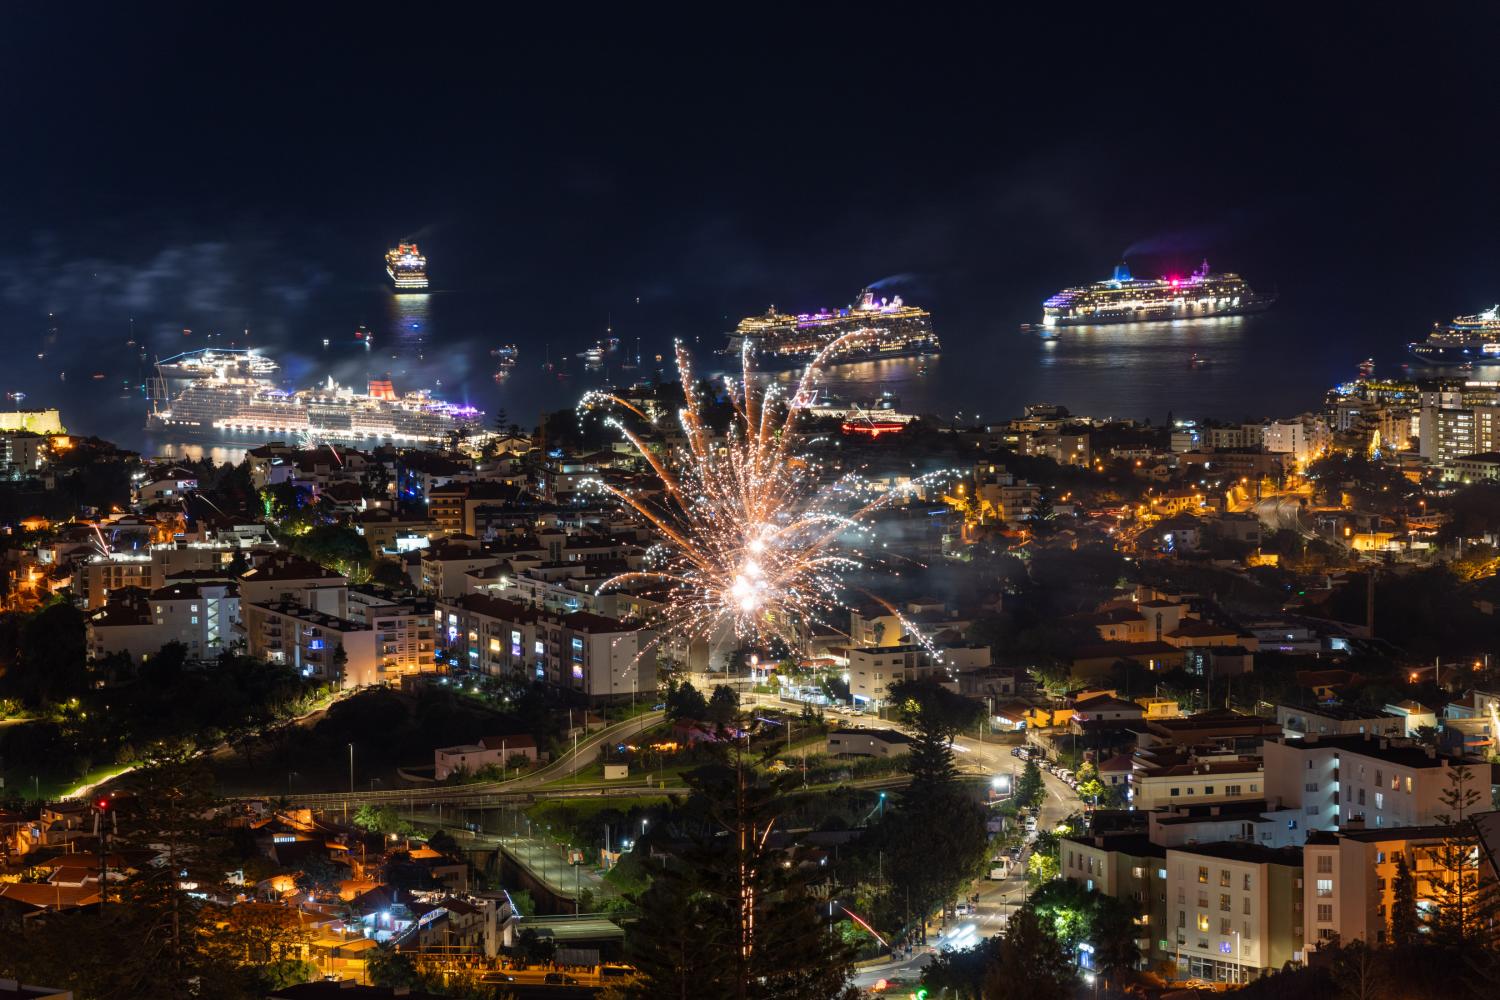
{"x":733,"y":919}
{"x":1464,"y":895}
{"x":1403,"y":905}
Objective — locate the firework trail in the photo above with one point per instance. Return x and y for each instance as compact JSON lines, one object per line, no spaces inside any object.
{"x":749,"y":524}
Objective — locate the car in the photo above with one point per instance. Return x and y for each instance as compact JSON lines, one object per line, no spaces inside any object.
{"x":496,"y":977}
{"x":558,"y":979}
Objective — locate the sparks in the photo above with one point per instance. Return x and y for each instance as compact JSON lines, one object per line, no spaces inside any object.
{"x":749,"y":524}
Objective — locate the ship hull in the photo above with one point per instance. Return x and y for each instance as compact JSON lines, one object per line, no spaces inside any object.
{"x":772,"y":361}
{"x":1452,"y":354}
{"x":1165,"y":313}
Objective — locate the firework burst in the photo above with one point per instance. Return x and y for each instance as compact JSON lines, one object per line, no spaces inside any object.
{"x":749,"y":523}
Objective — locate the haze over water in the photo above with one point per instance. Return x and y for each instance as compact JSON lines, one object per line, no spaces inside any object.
{"x":1273,"y":364}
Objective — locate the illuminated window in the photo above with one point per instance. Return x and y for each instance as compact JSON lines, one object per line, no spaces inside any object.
{"x":578,"y":671}
{"x":1203,"y":922}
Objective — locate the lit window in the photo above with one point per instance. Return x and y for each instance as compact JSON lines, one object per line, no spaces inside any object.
{"x":1325,"y":887}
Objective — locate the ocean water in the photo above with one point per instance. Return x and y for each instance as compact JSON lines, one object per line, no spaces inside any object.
{"x":1273,"y":364}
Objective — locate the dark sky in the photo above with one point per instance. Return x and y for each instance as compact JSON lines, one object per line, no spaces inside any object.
{"x":734,"y":154}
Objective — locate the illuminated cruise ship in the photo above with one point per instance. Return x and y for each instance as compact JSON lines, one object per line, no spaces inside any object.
{"x":407,"y":268}
{"x":234,"y":406}
{"x":1467,"y":339}
{"x":216,"y":361}
{"x":885,"y":329}
{"x":1127,"y":299}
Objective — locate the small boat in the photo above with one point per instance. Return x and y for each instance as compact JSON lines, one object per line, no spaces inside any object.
{"x":98,"y":376}
{"x":1199,"y":361}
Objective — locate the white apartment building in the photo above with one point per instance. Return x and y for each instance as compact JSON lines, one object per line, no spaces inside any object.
{"x":306,"y":639}
{"x":297,"y":581}
{"x":1234,"y":911}
{"x":1324,"y":783}
{"x":1195,"y":782}
{"x":203,"y":617}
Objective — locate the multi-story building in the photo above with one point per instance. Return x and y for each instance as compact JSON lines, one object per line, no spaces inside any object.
{"x":149,"y":567}
{"x":1327,"y":782}
{"x":1336,"y":720}
{"x":599,"y":657}
{"x":444,"y":567}
{"x":1130,"y":868}
{"x":490,"y":635}
{"x":873,"y":669}
{"x":1351,"y":879}
{"x":203,"y":617}
{"x":297,"y":581}
{"x":1173,"y":783}
{"x":404,"y":630}
{"x":309,"y":640}
{"x":1234,"y":910}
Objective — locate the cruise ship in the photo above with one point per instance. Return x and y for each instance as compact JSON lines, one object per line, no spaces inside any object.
{"x":216,"y":361}
{"x":1467,"y":340}
{"x":885,"y":328}
{"x":236,"y":406}
{"x":407,"y":268}
{"x":1128,"y":299}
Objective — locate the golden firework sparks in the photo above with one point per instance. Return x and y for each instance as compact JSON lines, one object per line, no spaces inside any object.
{"x":749,"y":525}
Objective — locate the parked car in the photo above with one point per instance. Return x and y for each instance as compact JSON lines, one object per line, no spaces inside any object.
{"x":558,"y":979}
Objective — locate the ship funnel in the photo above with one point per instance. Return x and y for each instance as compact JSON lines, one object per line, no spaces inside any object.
{"x":1122,"y":271}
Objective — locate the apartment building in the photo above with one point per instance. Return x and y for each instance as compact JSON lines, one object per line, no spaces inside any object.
{"x":1235,"y":910}
{"x":1336,"y":720}
{"x":602,"y":658}
{"x":1132,"y":869}
{"x":444,"y":567}
{"x":1180,"y":783}
{"x":404,"y":629}
{"x":873,"y":669}
{"x":298,"y":581}
{"x":1351,"y":876}
{"x":1327,"y":782}
{"x":307,"y":639}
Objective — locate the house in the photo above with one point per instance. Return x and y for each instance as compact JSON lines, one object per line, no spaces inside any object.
{"x":868,"y":743}
{"x":1106,"y":707}
{"x":496,"y":751}
{"x":1094,"y":661}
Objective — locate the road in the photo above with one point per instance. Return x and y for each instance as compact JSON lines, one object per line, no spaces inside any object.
{"x":997,"y":898}
{"x":565,"y":765}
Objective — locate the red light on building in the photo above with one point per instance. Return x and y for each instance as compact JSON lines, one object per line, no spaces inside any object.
{"x":873,"y":428}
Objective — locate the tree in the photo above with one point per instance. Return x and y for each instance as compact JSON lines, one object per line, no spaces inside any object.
{"x":1359,"y":971}
{"x":338,"y":664}
{"x":1464,"y":895}
{"x":388,"y":967}
{"x":733,"y":917}
{"x":685,"y":703}
{"x":930,"y":861}
{"x":723,"y":706}
{"x":1029,"y":788}
{"x":1031,"y":964}
{"x":1403,"y":905}
{"x":1042,"y":520}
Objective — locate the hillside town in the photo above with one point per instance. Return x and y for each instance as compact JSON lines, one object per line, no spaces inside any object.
{"x":1147,"y":707}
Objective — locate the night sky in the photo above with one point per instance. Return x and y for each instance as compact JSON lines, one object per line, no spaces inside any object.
{"x":722,"y":158}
